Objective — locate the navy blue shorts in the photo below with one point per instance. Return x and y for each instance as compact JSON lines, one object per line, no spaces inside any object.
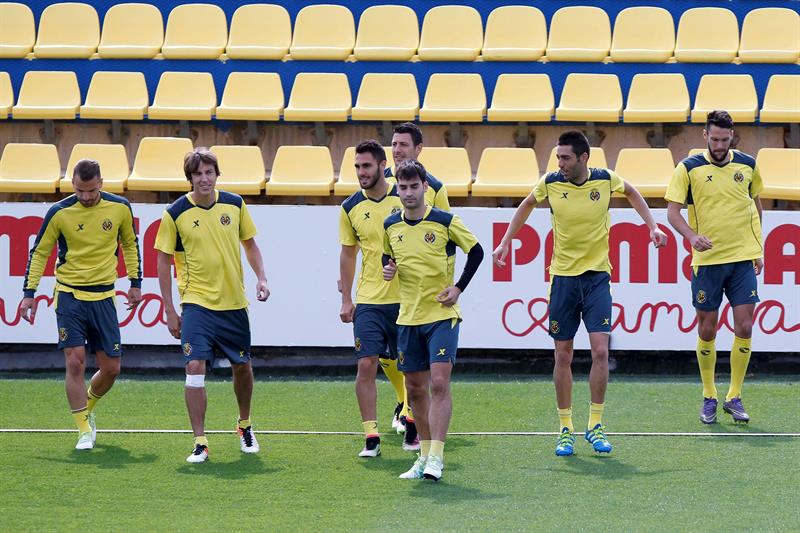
{"x":375,"y":330}
{"x":90,"y":324}
{"x":586,"y":296}
{"x":419,"y":346}
{"x":736,"y":280}
{"x":204,"y":329}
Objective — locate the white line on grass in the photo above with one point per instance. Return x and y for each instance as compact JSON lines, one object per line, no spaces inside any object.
{"x":457,"y":433}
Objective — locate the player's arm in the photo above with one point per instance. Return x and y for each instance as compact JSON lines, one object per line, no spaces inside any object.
{"x":133,"y":259}
{"x":517,"y":221}
{"x":677,"y":193}
{"x":449,"y":296}
{"x":347,"y":271}
{"x":758,"y":263}
{"x":164,"y":267}
{"x":40,"y":253}
{"x":253,"y":254}
{"x":387,"y":259}
{"x":657,"y":237}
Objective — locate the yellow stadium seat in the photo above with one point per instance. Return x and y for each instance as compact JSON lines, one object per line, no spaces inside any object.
{"x":707,"y":35}
{"x":17,"y":30}
{"x":67,"y":30}
{"x":454,"y":98}
{"x":113,"y":161}
{"x":506,"y":172}
{"x":159,"y":165}
{"x":450,"y":166}
{"x":301,"y":171}
{"x":781,"y":100}
{"x":184,"y":96}
{"x":770,"y":35}
{"x":259,"y":31}
{"x":522,"y":98}
{"x":6,"y":95}
{"x":131,"y":31}
{"x":597,"y":159}
{"x":579,"y":33}
{"x":387,"y":97}
{"x":116,"y":95}
{"x":347,"y":183}
{"x":374,"y":43}
{"x":319,"y":97}
{"x":29,"y":168}
{"x":657,"y":98}
{"x":48,"y":95}
{"x":252,"y":96}
{"x":515,"y":33}
{"x":451,"y":33}
{"x":590,"y":98}
{"x":323,"y":31}
{"x":195,"y":31}
{"x":735,"y":93}
{"x":780,"y":170}
{"x":643,"y":34}
{"x":241,"y":169}
{"x":647,"y":169}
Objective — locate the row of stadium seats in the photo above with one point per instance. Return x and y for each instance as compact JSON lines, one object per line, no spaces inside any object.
{"x":308,"y":170}
{"x":392,"y":33}
{"x":448,"y":98}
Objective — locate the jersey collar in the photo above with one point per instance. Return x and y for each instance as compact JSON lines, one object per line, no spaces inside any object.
{"x":191,"y":200}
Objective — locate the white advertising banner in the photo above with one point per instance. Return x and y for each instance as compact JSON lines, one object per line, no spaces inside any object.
{"x":503,"y":307}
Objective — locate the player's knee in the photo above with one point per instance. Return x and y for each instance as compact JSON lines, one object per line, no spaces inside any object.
{"x":367,"y":368}
{"x":415,"y":389}
{"x":440,"y":387}
{"x":600,"y":355}
{"x":75,"y":360}
{"x":744,"y":330}
{"x":195,"y":381}
{"x":563,"y":357}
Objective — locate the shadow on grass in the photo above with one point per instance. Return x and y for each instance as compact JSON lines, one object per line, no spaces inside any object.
{"x":443,"y":493}
{"x":605,"y":467}
{"x":246,"y":466}
{"x":104,"y":456}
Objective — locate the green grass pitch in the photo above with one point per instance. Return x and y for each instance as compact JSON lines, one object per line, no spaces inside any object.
{"x":140,"y":481}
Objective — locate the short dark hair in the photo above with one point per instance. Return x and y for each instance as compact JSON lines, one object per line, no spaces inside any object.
{"x":373,"y":147}
{"x":86,"y":169}
{"x":719,"y":118}
{"x":575,"y":139}
{"x":199,"y":155}
{"x":409,"y":169}
{"x":412,"y":129}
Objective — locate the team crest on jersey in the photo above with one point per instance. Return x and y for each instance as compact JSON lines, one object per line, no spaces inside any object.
{"x":430,"y":238}
{"x":358,"y":344}
{"x":107,"y":225}
{"x":187,"y":348}
{"x":225,"y":220}
{"x":62,"y":334}
{"x":738,"y":177}
{"x":594,"y":195}
{"x":701,"y":297}
{"x":554,"y":327}
{"x":395,"y":210}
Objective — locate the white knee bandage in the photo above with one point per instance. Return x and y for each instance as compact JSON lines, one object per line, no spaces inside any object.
{"x":196,"y":381}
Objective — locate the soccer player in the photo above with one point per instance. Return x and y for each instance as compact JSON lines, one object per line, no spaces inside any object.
{"x":721,"y":187}
{"x":374,"y":316}
{"x":202,"y":231}
{"x":419,"y":248}
{"x":88,"y":227}
{"x":580,"y":272}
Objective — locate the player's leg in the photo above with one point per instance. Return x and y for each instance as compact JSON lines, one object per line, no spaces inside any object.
{"x":196,"y":341}
{"x":564,"y":319}
{"x":388,"y":362}
{"x":414,"y":361}
{"x":707,"y":287}
{"x":243,"y":389}
{"x":596,"y":291}
{"x":370,"y":341}
{"x":104,"y":341}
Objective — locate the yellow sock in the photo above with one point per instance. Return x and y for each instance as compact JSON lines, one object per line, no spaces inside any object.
{"x":81,"y":417}
{"x":595,"y":414}
{"x":202,"y":441}
{"x":565,"y":419}
{"x":740,"y":358}
{"x":437,"y":449}
{"x":244,"y":423}
{"x":370,"y":428}
{"x":707,"y":360}
{"x":91,"y":399}
{"x":396,"y":377}
{"x":406,"y":411}
{"x":424,"y":448}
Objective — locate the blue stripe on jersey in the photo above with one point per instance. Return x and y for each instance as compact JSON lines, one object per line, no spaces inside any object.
{"x":441,"y":217}
{"x":391,"y":220}
{"x":230,"y":199}
{"x":694,"y":162}
{"x":107,"y":196}
{"x":450,"y":248}
{"x":69,"y":201}
{"x":554,"y":177}
{"x":743,"y":159}
{"x":599,"y":174}
{"x":352,"y":201}
{"x":178,"y":207}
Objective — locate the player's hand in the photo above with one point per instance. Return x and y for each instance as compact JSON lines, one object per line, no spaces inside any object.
{"x":500,"y":253}
{"x":449,"y":296}
{"x":262,"y":290}
{"x":658,"y":237}
{"x":758,"y":265}
{"x":174,"y":324}
{"x":347,"y":311}
{"x":27,"y":310}
{"x":389,"y":270}
{"x":701,"y":243}
{"x":134,"y":298}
